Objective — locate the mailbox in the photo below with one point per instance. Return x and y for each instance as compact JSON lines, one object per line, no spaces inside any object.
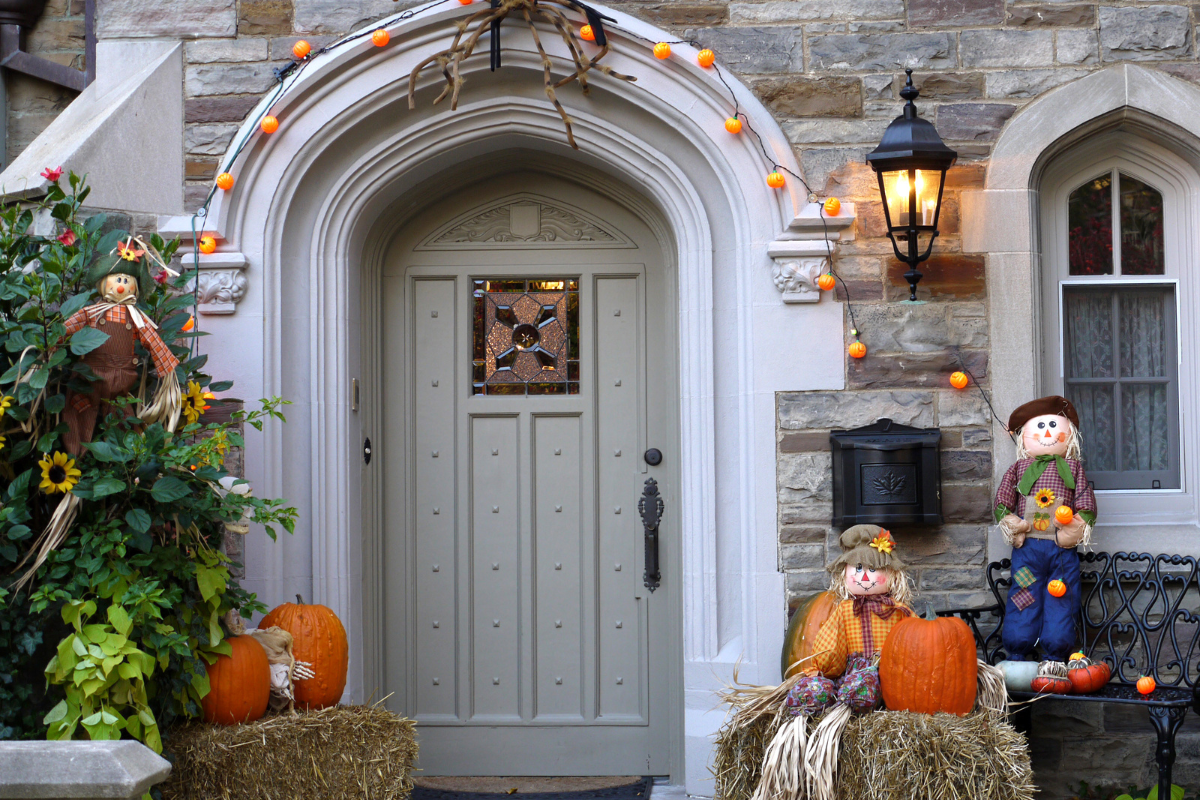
{"x":886,"y":474}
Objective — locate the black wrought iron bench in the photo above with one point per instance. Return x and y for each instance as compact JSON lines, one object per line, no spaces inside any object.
{"x":1141,"y":614}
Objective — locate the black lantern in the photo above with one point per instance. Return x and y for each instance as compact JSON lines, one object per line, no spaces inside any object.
{"x":911,"y":163}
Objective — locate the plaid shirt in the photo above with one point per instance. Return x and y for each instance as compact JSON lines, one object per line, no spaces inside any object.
{"x":1081,"y":498}
{"x":164,"y":360}
{"x":844,"y":633}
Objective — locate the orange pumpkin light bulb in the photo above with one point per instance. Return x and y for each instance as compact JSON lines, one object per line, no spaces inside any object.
{"x":1146,"y":684}
{"x":189,"y":325}
{"x":1063,"y":515}
{"x":380,"y":38}
{"x":733,"y":125}
{"x":1056,"y":588}
{"x":208,"y":245}
{"x":466,"y":2}
{"x":705,"y":58}
{"x":587,"y":34}
{"x":826,"y":282}
{"x":832,"y":206}
{"x":662,"y":50}
{"x":225,"y":181}
{"x":269,"y":124}
{"x":301,"y":49}
{"x":858,"y":350}
{"x":775,"y":180}
{"x":959,"y":380}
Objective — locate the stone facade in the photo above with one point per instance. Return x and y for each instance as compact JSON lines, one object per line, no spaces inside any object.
{"x":32,"y":103}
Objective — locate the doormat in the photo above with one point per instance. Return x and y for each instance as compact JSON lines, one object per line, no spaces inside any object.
{"x":637,"y":790}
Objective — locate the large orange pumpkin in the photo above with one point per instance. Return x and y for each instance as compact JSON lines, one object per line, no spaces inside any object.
{"x":319,"y":639}
{"x":802,"y":630}
{"x":239,"y":684}
{"x":929,"y":665}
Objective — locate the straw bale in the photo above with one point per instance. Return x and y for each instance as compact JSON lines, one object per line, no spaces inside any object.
{"x":333,"y":754}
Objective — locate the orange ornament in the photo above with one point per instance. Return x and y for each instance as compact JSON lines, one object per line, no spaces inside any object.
{"x":733,"y":125}
{"x":959,"y":380}
{"x":1056,"y":588}
{"x":380,"y":38}
{"x":832,"y":206}
{"x":301,"y":48}
{"x":319,"y":639}
{"x":826,"y":282}
{"x":587,"y":34}
{"x":208,"y":245}
{"x":269,"y":124}
{"x":1063,"y":515}
{"x":239,"y":684}
{"x":662,"y":50}
{"x":225,"y":181}
{"x":705,"y":58}
{"x":775,"y":180}
{"x":858,"y":350}
{"x":1146,"y":684}
{"x":466,"y":2}
{"x":191,"y":323}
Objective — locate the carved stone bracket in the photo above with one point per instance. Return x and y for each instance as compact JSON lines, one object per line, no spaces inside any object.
{"x":221,"y":283}
{"x":802,"y":252}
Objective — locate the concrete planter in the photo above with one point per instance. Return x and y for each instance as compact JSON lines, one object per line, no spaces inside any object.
{"x":78,"y":770}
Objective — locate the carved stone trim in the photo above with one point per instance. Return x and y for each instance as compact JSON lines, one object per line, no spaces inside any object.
{"x":802,"y":252}
{"x":524,"y":220}
{"x":796,"y":278}
{"x":221,"y":283}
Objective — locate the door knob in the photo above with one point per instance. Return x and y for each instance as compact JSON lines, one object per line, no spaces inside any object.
{"x":653,"y":456}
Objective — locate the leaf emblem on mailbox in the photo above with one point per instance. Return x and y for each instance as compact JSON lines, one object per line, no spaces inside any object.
{"x":890,"y":484}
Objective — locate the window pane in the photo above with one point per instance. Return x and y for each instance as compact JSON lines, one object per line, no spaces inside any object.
{"x":1095,"y":407}
{"x":1143,"y":322}
{"x":1087,"y":319}
{"x":521,"y":331}
{"x":1089,"y":213}
{"x":1145,"y":427}
{"x":1141,"y":228}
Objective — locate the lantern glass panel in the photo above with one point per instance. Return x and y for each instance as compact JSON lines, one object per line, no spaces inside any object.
{"x":897,"y":190}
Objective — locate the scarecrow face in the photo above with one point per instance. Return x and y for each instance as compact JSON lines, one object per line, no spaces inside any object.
{"x":1046,"y":435}
{"x":116,"y":288}
{"x":862,"y":580}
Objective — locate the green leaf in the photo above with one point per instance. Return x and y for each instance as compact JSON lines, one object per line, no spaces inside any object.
{"x":120,"y":620}
{"x":168,"y":489}
{"x":74,"y":303}
{"x":57,"y":714}
{"x":104,"y":451}
{"x":55,"y":404}
{"x":211,"y":581}
{"x":221,"y":386}
{"x":106,"y":486}
{"x":138,"y":520}
{"x":86,"y":340}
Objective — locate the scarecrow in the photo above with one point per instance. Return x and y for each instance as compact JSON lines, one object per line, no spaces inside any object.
{"x":1045,"y":509}
{"x":120,"y":282}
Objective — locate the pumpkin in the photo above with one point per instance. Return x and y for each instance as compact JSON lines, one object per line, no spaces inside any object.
{"x":1146,"y":684}
{"x":1018,"y":675}
{"x":662,"y":50}
{"x":1063,"y":515}
{"x":319,"y":639}
{"x":858,"y":350}
{"x":587,"y":34}
{"x":929,"y":665}
{"x":208,"y":245}
{"x":269,"y":124}
{"x":826,"y":282}
{"x":239,"y":684}
{"x":733,"y":125}
{"x":802,"y":630}
{"x":959,"y":380}
{"x":705,"y":58}
{"x":301,"y":48}
{"x":775,"y":180}
{"x":1085,"y":676}
{"x":1056,"y":588}
{"x":380,"y":38}
{"x":225,"y":181}
{"x":832,"y":206}
{"x":1051,"y":684}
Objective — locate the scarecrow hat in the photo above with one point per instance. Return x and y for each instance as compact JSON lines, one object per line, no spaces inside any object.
{"x":117,"y":263}
{"x":1053,"y":404}
{"x":869,"y":545}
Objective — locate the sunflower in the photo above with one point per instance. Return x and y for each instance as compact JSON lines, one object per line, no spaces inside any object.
{"x":5,"y":402}
{"x":58,"y":474}
{"x":1044,"y":498}
{"x":3,"y":441}
{"x":193,"y":402}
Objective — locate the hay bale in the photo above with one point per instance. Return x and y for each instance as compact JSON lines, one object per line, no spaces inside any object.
{"x":332,"y":754}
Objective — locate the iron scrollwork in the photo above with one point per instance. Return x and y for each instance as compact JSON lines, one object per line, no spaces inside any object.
{"x":651,"y":508}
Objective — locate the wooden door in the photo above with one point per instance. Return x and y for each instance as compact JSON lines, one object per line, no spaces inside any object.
{"x":525,"y":357}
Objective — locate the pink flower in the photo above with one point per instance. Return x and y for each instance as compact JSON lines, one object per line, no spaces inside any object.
{"x":161,"y":277}
{"x":67,"y":237}
{"x":52,"y":174}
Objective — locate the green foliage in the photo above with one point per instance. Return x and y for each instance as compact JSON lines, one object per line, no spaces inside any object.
{"x":1086,"y":792}
{"x":139,"y":583}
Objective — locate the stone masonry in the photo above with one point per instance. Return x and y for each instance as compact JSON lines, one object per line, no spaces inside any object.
{"x":830,"y":71}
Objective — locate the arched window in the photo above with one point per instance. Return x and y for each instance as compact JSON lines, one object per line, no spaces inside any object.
{"x":1118,"y":290}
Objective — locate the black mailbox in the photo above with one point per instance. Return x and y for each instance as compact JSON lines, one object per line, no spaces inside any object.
{"x":886,"y":474}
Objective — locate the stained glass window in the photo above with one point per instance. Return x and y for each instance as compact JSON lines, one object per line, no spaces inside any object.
{"x":525,"y":337}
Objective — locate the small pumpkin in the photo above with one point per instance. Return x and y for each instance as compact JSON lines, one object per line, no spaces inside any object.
{"x":959,"y":380}
{"x":208,"y":245}
{"x":929,"y":665}
{"x":239,"y":684}
{"x":775,"y":180}
{"x":587,"y":34}
{"x":380,"y":38}
{"x":1051,"y":684}
{"x":858,"y":350}
{"x":1087,"y":676}
{"x":733,"y":125}
{"x":826,"y":282}
{"x":662,"y":50}
{"x":1018,"y":675}
{"x":225,"y":181}
{"x":269,"y":124}
{"x":807,"y":620}
{"x":1146,"y":685}
{"x":301,"y":48}
{"x":319,"y":639}
{"x":1063,"y":515}
{"x":1056,"y":588}
{"x":832,"y":206}
{"x":705,"y":58}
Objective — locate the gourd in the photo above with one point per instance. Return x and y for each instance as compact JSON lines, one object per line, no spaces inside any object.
{"x":929,"y":665}
{"x":1087,"y":676}
{"x":1018,"y":675}
{"x":239,"y":684}
{"x":802,"y":630}
{"x":320,"y":640}
{"x":1052,"y":678}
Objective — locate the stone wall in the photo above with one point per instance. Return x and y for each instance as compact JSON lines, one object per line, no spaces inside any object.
{"x":32,"y":103}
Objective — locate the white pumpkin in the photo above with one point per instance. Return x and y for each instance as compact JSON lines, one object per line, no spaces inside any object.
{"x":1019,"y":675}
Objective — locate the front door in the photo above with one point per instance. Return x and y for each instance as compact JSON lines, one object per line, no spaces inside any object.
{"x":526,"y":375}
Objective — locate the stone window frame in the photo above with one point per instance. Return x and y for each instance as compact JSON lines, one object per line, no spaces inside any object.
{"x":1129,"y":153}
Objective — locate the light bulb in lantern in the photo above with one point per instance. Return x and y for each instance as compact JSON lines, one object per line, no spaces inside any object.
{"x":898,"y":200}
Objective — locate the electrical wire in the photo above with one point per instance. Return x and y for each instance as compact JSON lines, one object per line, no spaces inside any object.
{"x":983,"y":393}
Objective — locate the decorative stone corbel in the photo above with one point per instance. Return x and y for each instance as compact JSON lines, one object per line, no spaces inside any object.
{"x":221,"y":283}
{"x":802,"y":252}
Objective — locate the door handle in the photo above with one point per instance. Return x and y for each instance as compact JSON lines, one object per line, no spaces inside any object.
{"x":651,"y":508}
